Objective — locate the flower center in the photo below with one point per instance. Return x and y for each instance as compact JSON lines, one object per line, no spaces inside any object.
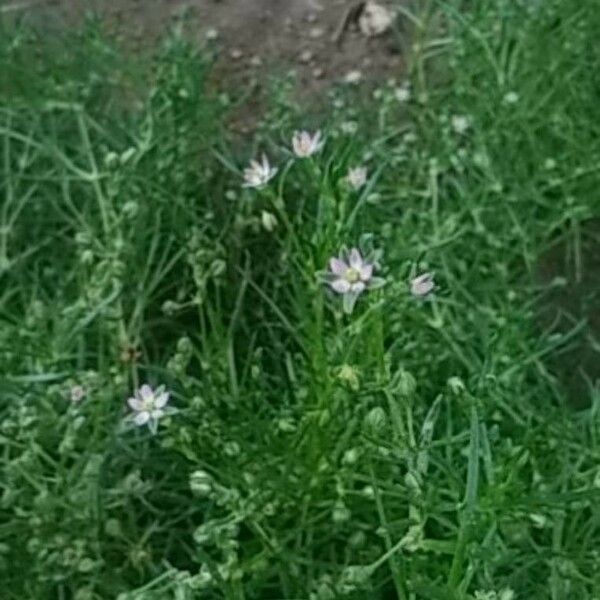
{"x":352,"y":275}
{"x":149,"y":404}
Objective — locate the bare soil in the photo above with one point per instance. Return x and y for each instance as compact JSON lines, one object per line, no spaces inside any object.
{"x":570,"y":308}
{"x":254,"y":38}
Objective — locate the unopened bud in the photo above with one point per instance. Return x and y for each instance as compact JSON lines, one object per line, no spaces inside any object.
{"x":269,"y":220}
{"x":341,"y":513}
{"x":201,"y":483}
{"x":376,"y":420}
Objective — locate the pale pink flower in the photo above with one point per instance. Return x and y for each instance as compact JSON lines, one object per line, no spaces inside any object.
{"x":77,"y":393}
{"x":357,"y":177}
{"x":305,"y":144}
{"x":422,"y":285}
{"x":148,"y":405}
{"x":350,"y":275}
{"x":259,"y":174}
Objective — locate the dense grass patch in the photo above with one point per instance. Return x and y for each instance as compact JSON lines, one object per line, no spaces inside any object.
{"x":417,"y":448}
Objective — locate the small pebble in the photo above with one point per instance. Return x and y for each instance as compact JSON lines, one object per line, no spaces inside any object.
{"x":306,"y":57}
{"x":353,"y":77}
{"x":212,"y":34}
{"x":236,"y":53}
{"x":375,"y":19}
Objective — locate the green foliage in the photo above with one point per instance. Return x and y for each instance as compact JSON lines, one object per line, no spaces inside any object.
{"x":417,"y":448}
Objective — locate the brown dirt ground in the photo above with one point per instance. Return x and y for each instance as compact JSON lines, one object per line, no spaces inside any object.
{"x":254,"y":38}
{"x":575,"y":262}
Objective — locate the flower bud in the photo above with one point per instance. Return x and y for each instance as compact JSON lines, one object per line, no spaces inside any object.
{"x":201,"y":483}
{"x":357,"y":539}
{"x":169,"y":308}
{"x":82,"y":238}
{"x":375,"y":421}
{"x":368,"y":492}
{"x":405,"y":384}
{"x":130,"y":209}
{"x":349,"y":375}
{"x":340,"y":513}
{"x":111,"y":159}
{"x":350,"y":456}
{"x":184,"y":345}
{"x":456,"y":385}
{"x":126,"y":156}
{"x":412,"y":482}
{"x":232,"y":449}
{"x":217,"y":267}
{"x":86,"y":565}
{"x":87,"y":257}
{"x":269,"y":220}
{"x":112,"y":527}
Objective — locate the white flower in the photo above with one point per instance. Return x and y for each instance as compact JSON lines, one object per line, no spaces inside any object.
{"x":349,"y":127}
{"x":77,"y":393}
{"x":511,"y":98}
{"x":375,"y":19}
{"x":353,"y":77}
{"x":259,"y":173}
{"x":212,"y":34}
{"x":402,"y":93}
{"x":350,"y":275}
{"x":148,"y":405}
{"x":422,"y":285}
{"x":357,"y":177}
{"x":460,"y":124}
{"x":305,"y":144}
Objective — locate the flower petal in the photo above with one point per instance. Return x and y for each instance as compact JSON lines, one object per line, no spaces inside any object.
{"x":297,"y":146}
{"x":146,"y":392}
{"x":157,"y":413}
{"x":366,"y":271}
{"x":337,"y":266}
{"x":161,"y":399}
{"x":142,"y":418}
{"x":356,"y":261}
{"x":422,"y":285}
{"x":135,"y":404}
{"x":358,"y":288}
{"x":341,"y":286}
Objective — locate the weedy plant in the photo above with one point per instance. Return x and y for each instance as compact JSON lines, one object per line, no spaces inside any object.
{"x":299,"y":435}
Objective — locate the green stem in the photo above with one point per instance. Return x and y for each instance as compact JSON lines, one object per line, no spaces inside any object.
{"x":396,"y":566}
